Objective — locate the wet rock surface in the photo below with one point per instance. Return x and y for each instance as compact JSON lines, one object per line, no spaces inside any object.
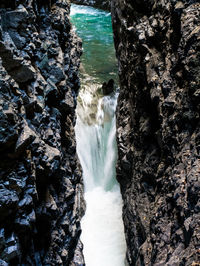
{"x":157,"y":44}
{"x":108,"y":87}
{"x":40,"y":176}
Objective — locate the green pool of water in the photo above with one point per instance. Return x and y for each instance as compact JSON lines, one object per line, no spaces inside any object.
{"x":94,"y":27}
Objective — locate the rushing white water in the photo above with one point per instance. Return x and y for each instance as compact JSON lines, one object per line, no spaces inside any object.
{"x":102,"y":227}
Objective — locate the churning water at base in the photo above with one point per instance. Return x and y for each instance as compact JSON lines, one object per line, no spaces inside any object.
{"x":102,"y":226}
{"x":102,"y":229}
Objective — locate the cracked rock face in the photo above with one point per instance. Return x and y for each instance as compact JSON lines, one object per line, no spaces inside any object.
{"x":40,"y":176}
{"x":158,"y":49}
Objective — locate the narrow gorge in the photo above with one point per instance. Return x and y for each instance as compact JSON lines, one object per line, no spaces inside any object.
{"x":96,"y":168}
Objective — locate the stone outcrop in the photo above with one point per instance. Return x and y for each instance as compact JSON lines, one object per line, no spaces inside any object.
{"x":108,"y":87}
{"x":102,"y":4}
{"x":158,"y":128}
{"x":40,"y":178}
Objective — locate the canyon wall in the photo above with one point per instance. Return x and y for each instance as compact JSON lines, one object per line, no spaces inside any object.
{"x":158,"y":128}
{"x":40,"y":177}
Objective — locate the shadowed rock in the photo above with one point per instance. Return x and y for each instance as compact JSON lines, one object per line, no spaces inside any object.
{"x":40,"y":175}
{"x":158,"y":128}
{"x":108,"y":88}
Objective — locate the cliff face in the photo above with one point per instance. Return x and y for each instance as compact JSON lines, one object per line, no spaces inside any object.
{"x":158,"y":48}
{"x":40,"y":177}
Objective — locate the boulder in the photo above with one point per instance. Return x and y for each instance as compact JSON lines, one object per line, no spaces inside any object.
{"x":108,"y":88}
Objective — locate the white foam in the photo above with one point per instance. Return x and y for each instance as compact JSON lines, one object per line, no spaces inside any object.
{"x":102,"y":227}
{"x":80,"y":9}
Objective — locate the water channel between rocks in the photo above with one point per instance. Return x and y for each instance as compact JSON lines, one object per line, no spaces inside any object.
{"x":102,"y":227}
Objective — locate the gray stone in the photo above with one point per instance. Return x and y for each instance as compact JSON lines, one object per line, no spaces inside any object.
{"x":11,"y":240}
{"x":19,"y":69}
{"x":18,"y":40}
{"x":8,"y":131}
{"x":24,"y":73}
{"x":27,"y":201}
{"x":17,"y":184}
{"x":22,"y":224}
{"x":67,"y":105}
{"x":2,"y":237}
{"x":8,"y":201}
{"x":51,"y":154}
{"x":26,"y":137}
{"x":11,"y":252}
{"x":3,"y":263}
{"x":13,"y":19}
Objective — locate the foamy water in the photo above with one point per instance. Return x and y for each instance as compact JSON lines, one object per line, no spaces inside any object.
{"x":102,"y":226}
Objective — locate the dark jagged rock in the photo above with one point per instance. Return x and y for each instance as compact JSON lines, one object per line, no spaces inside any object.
{"x":40,"y":178}
{"x":108,"y":87}
{"x":8,"y":203}
{"x":157,"y":45}
{"x":25,"y":139}
{"x":102,"y":4}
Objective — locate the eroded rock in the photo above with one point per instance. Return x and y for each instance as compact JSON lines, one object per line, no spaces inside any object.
{"x":39,"y":62}
{"x":8,"y":203}
{"x":157,"y":45}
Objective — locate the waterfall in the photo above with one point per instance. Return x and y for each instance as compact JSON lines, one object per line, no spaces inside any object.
{"x":102,"y":226}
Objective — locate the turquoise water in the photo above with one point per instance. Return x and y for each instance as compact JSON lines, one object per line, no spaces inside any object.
{"x":94,"y":27}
